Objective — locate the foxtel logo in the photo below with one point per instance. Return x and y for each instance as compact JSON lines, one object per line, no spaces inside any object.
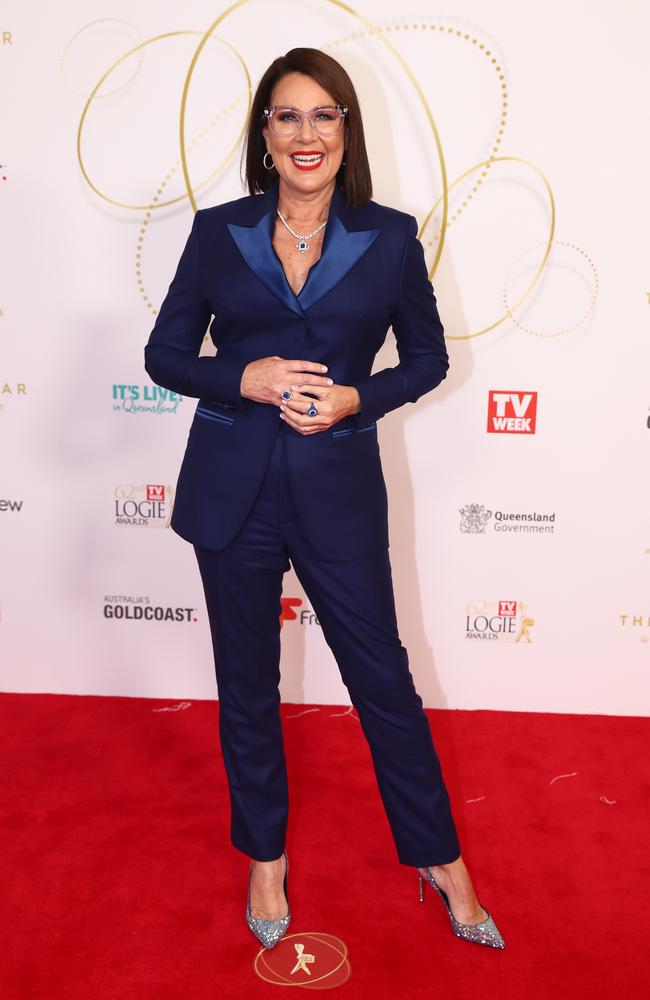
{"x":288,"y":605}
{"x":511,"y":412}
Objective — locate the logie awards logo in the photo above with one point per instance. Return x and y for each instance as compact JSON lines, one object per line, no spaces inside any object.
{"x":311,"y":959}
{"x":146,"y":506}
{"x":498,"y":621}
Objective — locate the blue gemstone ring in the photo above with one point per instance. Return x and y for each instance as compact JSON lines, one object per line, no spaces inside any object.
{"x":287,"y":394}
{"x":312,"y":411}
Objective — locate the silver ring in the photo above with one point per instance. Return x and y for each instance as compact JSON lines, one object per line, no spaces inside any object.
{"x":286,"y":394}
{"x":312,"y":411}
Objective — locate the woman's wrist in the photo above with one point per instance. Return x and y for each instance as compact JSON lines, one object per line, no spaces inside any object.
{"x":356,"y":399}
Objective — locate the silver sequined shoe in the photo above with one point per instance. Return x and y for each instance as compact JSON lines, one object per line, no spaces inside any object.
{"x":268,"y":932}
{"x":486,"y":932}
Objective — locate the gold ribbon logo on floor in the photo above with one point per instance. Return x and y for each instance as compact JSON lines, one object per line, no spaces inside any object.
{"x":312,"y":959}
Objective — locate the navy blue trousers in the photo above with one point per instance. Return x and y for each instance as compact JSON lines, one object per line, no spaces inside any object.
{"x":355,"y":606}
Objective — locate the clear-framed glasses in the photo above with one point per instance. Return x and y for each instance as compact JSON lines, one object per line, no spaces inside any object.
{"x":285,"y":120}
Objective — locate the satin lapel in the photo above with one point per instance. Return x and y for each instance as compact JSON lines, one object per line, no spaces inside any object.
{"x":256,"y":247}
{"x":340,"y":252}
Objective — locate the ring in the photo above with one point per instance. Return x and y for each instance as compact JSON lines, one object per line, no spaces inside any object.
{"x":312,"y":411}
{"x":286,"y":394}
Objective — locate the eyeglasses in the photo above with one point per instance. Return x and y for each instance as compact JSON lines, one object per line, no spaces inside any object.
{"x":285,"y":120}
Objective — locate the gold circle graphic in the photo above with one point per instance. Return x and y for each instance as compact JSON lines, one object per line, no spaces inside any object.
{"x":368,"y":30}
{"x":111,"y":69}
{"x":578,"y":322}
{"x":318,"y":935}
{"x":81,"y":31}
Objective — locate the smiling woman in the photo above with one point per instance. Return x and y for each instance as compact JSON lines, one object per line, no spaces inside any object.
{"x":286,"y":121}
{"x":300,"y":142}
{"x":304,"y":277}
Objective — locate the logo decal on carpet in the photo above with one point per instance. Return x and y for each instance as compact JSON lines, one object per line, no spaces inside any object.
{"x":312,"y":959}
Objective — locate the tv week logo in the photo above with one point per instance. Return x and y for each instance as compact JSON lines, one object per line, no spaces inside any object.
{"x":511,"y":412}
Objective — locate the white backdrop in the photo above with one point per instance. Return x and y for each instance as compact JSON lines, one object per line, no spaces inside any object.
{"x":520,"y":558}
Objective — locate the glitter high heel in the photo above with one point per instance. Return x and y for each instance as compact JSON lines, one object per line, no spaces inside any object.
{"x":269,"y":932}
{"x":486,"y":932}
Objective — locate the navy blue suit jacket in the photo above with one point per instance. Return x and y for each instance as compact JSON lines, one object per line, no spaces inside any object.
{"x":371,"y":275}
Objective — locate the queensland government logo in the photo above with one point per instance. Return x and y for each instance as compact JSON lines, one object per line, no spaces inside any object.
{"x":498,"y":621}
{"x":511,"y":412}
{"x":147,"y":506}
{"x":475,"y":518}
{"x":141,"y":608}
{"x":145,"y":399}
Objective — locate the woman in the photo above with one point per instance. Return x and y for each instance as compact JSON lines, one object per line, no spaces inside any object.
{"x":282,"y":463}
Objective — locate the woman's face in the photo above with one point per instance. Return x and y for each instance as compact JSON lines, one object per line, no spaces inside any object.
{"x":300,"y":91}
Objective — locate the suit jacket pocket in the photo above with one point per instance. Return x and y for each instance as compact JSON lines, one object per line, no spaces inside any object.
{"x":346,"y":431}
{"x":220,"y":416}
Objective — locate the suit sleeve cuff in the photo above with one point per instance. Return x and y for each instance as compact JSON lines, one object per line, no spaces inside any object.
{"x":219,"y":379}
{"x":379,"y":393}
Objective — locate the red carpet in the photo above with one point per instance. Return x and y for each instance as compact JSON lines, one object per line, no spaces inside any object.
{"x":120,"y":882}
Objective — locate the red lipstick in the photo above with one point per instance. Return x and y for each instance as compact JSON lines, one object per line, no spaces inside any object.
{"x":311,"y":164}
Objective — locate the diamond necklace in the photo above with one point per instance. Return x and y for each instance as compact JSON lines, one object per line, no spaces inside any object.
{"x":303,"y":241}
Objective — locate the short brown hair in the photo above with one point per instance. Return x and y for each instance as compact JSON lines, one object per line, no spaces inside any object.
{"x":354,"y":176}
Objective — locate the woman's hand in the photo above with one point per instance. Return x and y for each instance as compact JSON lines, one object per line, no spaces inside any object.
{"x":334,"y":403}
{"x":264,"y":380}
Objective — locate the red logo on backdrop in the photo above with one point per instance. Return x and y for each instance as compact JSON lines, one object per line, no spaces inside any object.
{"x":511,"y":412}
{"x":155,"y":492}
{"x":507,"y":609}
{"x":288,"y":604}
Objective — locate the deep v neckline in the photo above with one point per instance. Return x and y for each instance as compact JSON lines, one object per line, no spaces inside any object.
{"x":341,"y":249}
{"x":313,"y":266}
{"x":309,"y":272}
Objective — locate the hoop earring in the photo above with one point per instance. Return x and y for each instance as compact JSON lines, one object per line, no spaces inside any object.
{"x":265,"y":163}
